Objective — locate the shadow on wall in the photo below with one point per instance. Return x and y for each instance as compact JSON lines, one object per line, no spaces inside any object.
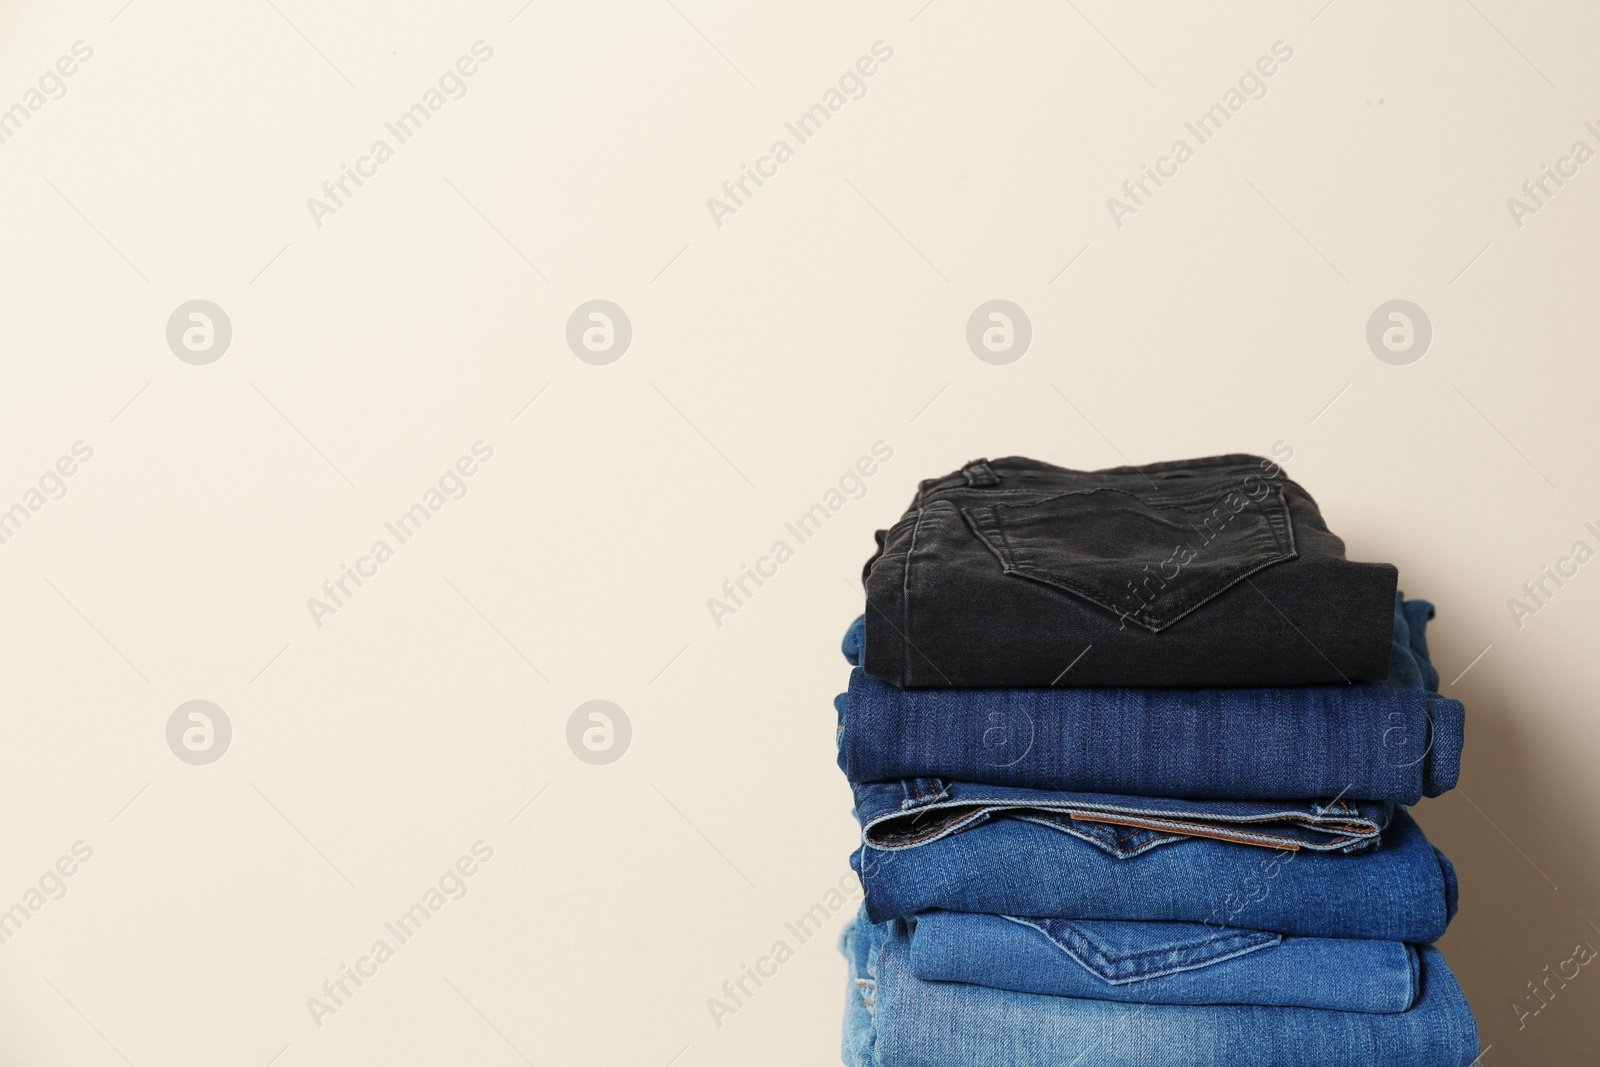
{"x":1522,"y":943}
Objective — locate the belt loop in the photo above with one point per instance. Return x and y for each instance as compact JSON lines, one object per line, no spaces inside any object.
{"x":979,"y":474}
{"x":921,"y":791}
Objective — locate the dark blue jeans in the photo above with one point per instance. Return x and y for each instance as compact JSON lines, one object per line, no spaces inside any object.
{"x":1205,"y":572}
{"x":1393,"y":740}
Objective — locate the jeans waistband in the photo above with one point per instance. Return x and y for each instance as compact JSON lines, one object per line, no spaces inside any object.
{"x":917,"y":811}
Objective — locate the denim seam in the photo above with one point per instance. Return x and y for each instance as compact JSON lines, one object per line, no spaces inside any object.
{"x":1259,"y":937}
{"x":905,"y":599}
{"x":1218,"y":490}
{"x":979,"y":468}
{"x":955,"y":493}
{"x":1117,"y":483}
{"x":1016,"y":809}
{"x":1238,"y":836}
{"x":956,"y":826}
{"x":928,"y":837}
{"x":869,"y":993}
{"x":1137,"y":844}
{"x":1167,"y":828}
{"x":1182,"y":606}
{"x":1242,"y":947}
{"x":1105,"y":842}
{"x":922,"y":793}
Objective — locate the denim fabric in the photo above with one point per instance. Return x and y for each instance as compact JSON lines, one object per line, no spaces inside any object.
{"x":1394,"y":740}
{"x":1205,"y":572}
{"x":910,"y":813}
{"x":1163,"y":963}
{"x":894,"y":1019}
{"x":1403,"y":889}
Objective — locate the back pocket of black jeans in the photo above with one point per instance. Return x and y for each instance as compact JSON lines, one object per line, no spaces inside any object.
{"x":1148,"y":559}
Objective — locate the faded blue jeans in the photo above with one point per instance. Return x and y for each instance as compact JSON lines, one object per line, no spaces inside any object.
{"x":895,"y":1019}
{"x":1163,"y":963}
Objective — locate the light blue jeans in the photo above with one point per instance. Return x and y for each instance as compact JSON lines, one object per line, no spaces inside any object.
{"x":895,"y":1019}
{"x":1163,"y":963}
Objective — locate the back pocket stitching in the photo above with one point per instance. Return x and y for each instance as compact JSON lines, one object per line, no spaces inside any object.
{"x":1183,"y":956}
{"x":1276,"y":526}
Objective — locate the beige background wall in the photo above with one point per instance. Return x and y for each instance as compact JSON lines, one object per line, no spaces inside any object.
{"x":428,"y":312}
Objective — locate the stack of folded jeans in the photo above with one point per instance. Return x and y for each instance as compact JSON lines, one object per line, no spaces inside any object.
{"x":1131,"y":751}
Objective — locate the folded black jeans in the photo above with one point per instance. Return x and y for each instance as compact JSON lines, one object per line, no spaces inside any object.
{"x":1190,"y":573}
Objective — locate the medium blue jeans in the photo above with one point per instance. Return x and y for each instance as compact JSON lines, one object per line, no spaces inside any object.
{"x":895,"y":1019}
{"x":1401,"y":890}
{"x":897,"y":815}
{"x":1395,"y":740}
{"x":1163,"y":963}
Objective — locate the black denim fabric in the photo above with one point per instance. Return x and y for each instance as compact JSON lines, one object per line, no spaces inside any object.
{"x":1202,"y":572}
